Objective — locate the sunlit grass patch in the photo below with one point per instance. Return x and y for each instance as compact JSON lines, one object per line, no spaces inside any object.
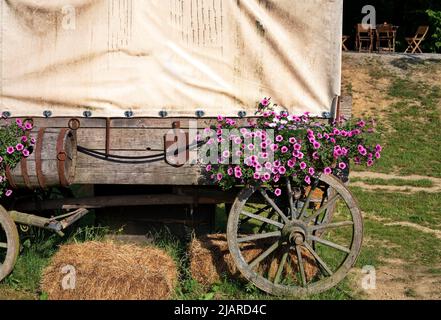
{"x":420,"y":183}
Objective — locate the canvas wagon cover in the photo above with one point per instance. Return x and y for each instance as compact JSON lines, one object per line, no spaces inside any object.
{"x":180,"y":56}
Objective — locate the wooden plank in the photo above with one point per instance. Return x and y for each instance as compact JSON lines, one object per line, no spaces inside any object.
{"x":158,"y":123}
{"x":125,"y":200}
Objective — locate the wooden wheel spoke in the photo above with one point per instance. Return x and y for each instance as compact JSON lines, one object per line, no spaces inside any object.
{"x":300,"y":265}
{"x":330,"y":244}
{"x":308,"y":199}
{"x":275,"y":207}
{"x":318,"y":259}
{"x":263,"y":219}
{"x":265,"y":254}
{"x":3,"y":245}
{"x":322,"y":209}
{"x":258,"y":212}
{"x":280,"y":269}
{"x":259,"y":236}
{"x":291,"y":202}
{"x":332,"y":225}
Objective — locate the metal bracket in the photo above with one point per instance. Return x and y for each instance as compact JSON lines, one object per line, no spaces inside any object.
{"x":171,"y":139}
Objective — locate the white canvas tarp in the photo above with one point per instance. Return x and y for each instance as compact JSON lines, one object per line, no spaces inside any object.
{"x":180,"y":56}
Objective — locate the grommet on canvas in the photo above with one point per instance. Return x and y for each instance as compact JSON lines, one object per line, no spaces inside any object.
{"x":87,"y":114}
{"x":6,"y":114}
{"x":163,"y":114}
{"x":128,"y":114}
{"x":47,"y":113}
{"x":200,"y":113}
{"x":242,"y":114}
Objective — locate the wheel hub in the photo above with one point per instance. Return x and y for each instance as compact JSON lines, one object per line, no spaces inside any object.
{"x":295,"y":232}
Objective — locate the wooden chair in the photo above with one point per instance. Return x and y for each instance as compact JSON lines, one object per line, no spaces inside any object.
{"x":364,"y":35}
{"x":385,"y":38}
{"x":415,"y":42}
{"x":344,"y":40}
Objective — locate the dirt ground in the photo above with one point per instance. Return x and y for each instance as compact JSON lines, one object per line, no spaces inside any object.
{"x":365,"y":78}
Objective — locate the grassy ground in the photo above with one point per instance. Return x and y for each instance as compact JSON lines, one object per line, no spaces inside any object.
{"x":402,"y":230}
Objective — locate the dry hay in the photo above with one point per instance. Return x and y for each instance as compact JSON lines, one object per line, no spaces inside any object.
{"x":210,"y":260}
{"x":110,"y":271}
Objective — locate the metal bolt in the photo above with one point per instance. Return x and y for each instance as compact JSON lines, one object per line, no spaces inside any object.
{"x":87,"y":114}
{"x":128,"y":114}
{"x":327,"y":115}
{"x":242,"y":114}
{"x":6,"y":114}
{"x":47,"y":113}
{"x":163,"y":114}
{"x":200,"y":113}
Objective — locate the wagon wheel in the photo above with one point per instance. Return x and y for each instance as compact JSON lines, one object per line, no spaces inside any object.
{"x":9,"y":244}
{"x":292,"y":255}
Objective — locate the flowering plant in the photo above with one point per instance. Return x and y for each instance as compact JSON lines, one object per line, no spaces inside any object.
{"x":15,"y":143}
{"x":279,"y":145}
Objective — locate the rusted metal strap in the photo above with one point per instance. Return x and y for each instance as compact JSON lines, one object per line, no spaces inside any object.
{"x":38,"y":164}
{"x":9,"y":177}
{"x":61,"y":158}
{"x":24,"y":173}
{"x":24,"y":166}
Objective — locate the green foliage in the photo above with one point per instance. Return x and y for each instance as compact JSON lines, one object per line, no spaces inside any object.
{"x":279,"y":145}
{"x":14,"y":145}
{"x":435,"y":19}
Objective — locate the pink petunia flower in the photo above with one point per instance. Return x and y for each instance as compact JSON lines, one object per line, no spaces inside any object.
{"x":282,"y":170}
{"x":284,"y":149}
{"x":308,"y":179}
{"x":303,"y":165}
{"x":28,"y":125}
{"x":279,"y":138}
{"x":226,"y":154}
{"x":230,"y":171}
{"x":278,"y":192}
{"x":265,"y":102}
{"x":327,"y":171}
{"x":370,"y":163}
{"x":311,"y":171}
{"x":297,"y":147}
{"x":208,"y":167}
{"x":317,"y":145}
{"x":219,"y":177}
{"x":361,"y":124}
{"x":266,"y":176}
{"x":8,"y":193}
{"x":291,"y":163}
{"x":25,"y":153}
{"x":342,"y":165}
{"x":19,"y":122}
{"x":377,"y":155}
{"x":256,"y":176}
{"x":10,"y":150}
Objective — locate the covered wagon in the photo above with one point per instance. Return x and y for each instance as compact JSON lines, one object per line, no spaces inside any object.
{"x":111,"y":85}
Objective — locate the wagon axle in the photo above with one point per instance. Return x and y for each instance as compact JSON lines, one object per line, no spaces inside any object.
{"x":295,"y":233}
